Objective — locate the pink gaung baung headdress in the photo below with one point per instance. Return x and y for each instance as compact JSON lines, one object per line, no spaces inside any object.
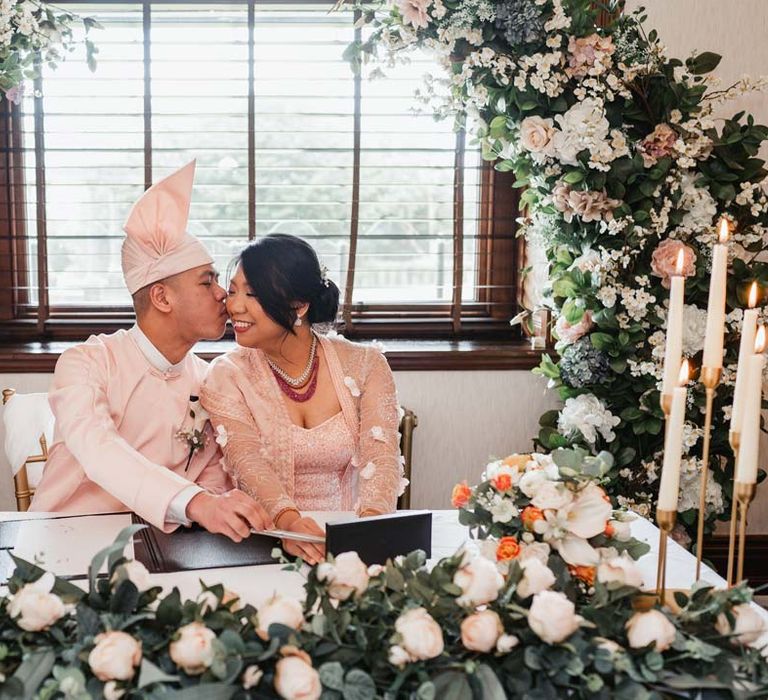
{"x":157,"y":244}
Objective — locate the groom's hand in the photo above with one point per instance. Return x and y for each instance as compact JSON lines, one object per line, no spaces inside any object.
{"x":232,"y":514}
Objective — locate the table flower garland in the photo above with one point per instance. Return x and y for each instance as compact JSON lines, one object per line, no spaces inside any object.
{"x":524,"y":622}
{"x":624,"y":166}
{"x":37,"y":33}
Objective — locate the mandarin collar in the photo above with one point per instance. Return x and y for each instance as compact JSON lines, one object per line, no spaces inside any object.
{"x":153,"y":355}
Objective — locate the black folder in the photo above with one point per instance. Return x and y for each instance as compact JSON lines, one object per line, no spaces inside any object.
{"x":374,"y":539}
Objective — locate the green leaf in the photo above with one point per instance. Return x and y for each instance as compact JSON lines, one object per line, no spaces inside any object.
{"x":602,"y":341}
{"x":204,"y":691}
{"x":34,"y":669}
{"x":149,"y":673}
{"x":452,"y":685}
{"x":332,"y":675}
{"x":114,"y":552}
{"x":705,"y":62}
{"x":169,"y":610}
{"x":489,"y":682}
{"x":573,"y":177}
{"x":358,"y":685}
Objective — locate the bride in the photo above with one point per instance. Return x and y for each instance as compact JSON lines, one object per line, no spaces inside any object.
{"x":306,"y":421}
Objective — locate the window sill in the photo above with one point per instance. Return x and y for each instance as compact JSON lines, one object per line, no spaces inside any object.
{"x":403,"y":355}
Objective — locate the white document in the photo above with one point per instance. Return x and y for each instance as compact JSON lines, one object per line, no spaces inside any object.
{"x":66,"y":545}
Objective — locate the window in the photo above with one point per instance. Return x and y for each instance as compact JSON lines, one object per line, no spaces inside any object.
{"x":399,"y":207}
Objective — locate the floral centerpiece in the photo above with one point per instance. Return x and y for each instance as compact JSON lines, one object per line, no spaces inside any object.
{"x":33,"y":34}
{"x":519,"y":620}
{"x":549,"y":511}
{"x":623,"y":166}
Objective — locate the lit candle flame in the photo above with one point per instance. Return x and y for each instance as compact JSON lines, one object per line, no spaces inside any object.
{"x":760,"y":339}
{"x":724,"y":231}
{"x":684,"y":375}
{"x":752,"y":301}
{"x":680,"y":262}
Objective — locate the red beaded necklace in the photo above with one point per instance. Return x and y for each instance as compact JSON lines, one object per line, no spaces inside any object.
{"x":294,"y":395}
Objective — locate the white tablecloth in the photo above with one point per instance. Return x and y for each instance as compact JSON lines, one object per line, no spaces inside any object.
{"x":66,"y":546}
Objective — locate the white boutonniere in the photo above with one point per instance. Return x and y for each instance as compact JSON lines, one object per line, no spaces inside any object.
{"x":193,"y":429}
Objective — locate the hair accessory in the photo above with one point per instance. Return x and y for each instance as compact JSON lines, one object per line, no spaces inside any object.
{"x":324,"y":276}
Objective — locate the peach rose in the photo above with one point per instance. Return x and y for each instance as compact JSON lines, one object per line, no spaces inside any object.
{"x":664,"y":260}
{"x":115,"y":656}
{"x":570,"y":332}
{"x":422,"y":637}
{"x":480,"y":631}
{"x":348,"y":576}
{"x":748,"y":624}
{"x":34,"y":608}
{"x":279,"y":610}
{"x":460,"y":495}
{"x":414,"y":12}
{"x":193,"y":651}
{"x":135,"y":572}
{"x":537,"y":577}
{"x":536,"y":134}
{"x":652,"y":627}
{"x":479,"y":580}
{"x":295,"y":679}
{"x":553,"y":617}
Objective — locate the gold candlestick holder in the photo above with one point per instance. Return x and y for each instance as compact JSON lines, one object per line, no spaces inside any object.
{"x":734,"y":437}
{"x":710,"y":378}
{"x":743,"y":494}
{"x":666,"y":521}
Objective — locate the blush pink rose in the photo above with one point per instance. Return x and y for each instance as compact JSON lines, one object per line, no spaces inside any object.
{"x":658,"y":144}
{"x":589,"y":54}
{"x":664,"y":260}
{"x":414,"y":12}
{"x":570,"y":332}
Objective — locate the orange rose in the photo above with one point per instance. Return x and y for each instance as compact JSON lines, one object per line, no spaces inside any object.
{"x":609,"y":530}
{"x":503,"y":482}
{"x":460,"y":495}
{"x":508,"y":549}
{"x":583,"y":573}
{"x":530,"y":515}
{"x":518,"y":461}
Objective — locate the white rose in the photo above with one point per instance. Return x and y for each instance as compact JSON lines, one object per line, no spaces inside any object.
{"x":480,"y":631}
{"x":207,"y":601}
{"x":537,"y":577}
{"x":531,"y":482}
{"x":749,"y":624}
{"x":135,"y":572}
{"x":552,"y":495}
{"x":251,"y":677}
{"x":193,"y":651}
{"x":621,"y":570}
{"x":112,"y":692}
{"x":295,"y":679}
{"x":398,"y":656}
{"x":622,"y":530}
{"x":279,"y":610}
{"x":348,"y":576}
{"x":34,"y":607}
{"x":479,"y":580}
{"x":421,"y":636}
{"x":115,"y":656}
{"x":536,"y":134}
{"x":553,"y":617}
{"x":644,"y":628}
{"x":503,"y":510}
{"x":506,"y":643}
{"x":534,"y":550}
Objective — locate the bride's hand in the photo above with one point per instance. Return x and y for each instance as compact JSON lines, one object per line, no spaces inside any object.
{"x":310,"y":552}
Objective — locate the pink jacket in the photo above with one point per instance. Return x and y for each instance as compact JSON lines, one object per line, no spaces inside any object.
{"x":115,"y":446}
{"x":241,"y":395}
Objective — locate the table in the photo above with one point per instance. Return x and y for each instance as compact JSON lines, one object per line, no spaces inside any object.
{"x":66,"y":545}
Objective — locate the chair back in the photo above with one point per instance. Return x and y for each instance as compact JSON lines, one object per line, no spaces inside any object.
{"x":408,"y":424}
{"x":28,"y":423}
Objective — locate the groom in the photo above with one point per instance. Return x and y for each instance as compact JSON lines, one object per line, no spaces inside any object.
{"x":130,"y":433}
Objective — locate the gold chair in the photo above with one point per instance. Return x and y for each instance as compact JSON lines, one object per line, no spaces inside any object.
{"x":24,"y":491}
{"x":408,"y":424}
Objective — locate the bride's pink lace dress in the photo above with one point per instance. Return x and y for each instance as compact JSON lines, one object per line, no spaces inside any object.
{"x":350,"y":462}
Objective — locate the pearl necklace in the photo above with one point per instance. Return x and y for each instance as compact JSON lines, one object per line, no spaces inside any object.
{"x":302,"y":378}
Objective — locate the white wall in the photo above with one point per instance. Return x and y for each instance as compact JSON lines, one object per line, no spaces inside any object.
{"x":464,"y":418}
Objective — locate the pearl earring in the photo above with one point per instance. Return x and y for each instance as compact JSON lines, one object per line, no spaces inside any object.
{"x":297,"y":322}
